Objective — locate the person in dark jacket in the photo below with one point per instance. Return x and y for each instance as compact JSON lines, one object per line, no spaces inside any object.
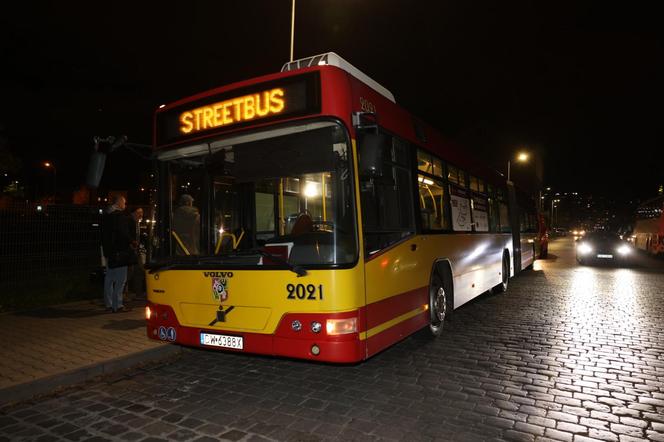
{"x":116,"y":243}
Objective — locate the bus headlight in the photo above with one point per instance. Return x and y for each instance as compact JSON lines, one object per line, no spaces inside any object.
{"x":584,"y":248}
{"x":148,"y":312}
{"x":341,"y":326}
{"x":624,"y":250}
{"x":316,"y":327}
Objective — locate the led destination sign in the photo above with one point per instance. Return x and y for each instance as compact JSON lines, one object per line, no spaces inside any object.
{"x":275,"y":100}
{"x":234,"y":110}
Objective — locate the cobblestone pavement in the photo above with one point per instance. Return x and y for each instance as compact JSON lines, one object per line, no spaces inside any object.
{"x":68,"y":337}
{"x":569,"y":353}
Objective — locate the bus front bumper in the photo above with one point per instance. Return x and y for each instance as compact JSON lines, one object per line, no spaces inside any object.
{"x":287,"y":341}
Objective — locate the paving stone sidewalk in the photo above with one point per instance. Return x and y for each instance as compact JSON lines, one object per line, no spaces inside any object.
{"x":65,"y":344}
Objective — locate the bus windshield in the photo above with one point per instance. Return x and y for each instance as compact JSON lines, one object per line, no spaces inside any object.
{"x":286,"y":194}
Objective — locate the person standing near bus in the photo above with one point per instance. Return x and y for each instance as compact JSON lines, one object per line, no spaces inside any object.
{"x":186,"y":226}
{"x":116,"y":244}
{"x":136,"y":275}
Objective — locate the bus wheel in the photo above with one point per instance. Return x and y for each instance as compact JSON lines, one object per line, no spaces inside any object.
{"x":437,"y":305}
{"x":505,"y":275}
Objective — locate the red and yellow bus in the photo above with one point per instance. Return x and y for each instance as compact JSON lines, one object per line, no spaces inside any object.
{"x":648,"y":233}
{"x":305,"y":214}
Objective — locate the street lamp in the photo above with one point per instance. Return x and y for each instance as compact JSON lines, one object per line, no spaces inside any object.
{"x":521,"y":157}
{"x":49,"y":165}
{"x":524,"y":157}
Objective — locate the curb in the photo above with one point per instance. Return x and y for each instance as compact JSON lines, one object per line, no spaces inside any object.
{"x":27,"y":390}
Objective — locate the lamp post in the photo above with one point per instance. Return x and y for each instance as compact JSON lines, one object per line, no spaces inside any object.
{"x":521,"y":157}
{"x":553,"y":206}
{"x":49,"y":165}
{"x":292,"y":34}
{"x":524,"y":157}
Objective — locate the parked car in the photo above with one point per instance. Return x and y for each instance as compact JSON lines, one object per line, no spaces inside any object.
{"x":603,"y":247}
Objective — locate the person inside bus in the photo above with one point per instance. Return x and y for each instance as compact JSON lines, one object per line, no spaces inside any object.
{"x":303,"y":224}
{"x":186,"y":226}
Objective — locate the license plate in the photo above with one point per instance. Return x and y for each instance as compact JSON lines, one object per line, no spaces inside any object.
{"x":605,"y":256}
{"x":225,"y":341}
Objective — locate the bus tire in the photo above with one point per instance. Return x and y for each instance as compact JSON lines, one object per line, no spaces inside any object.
{"x":438,"y":304}
{"x":505,"y":275}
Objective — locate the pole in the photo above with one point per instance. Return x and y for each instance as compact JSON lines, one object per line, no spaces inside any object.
{"x":540,"y":202}
{"x":508,"y":171}
{"x":292,"y":31}
{"x":55,"y":184}
{"x":552,"y":206}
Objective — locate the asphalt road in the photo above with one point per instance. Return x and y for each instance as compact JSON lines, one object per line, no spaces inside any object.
{"x":569,"y":352}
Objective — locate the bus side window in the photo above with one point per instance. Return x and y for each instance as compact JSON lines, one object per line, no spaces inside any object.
{"x":504,"y":218}
{"x":387,"y":201}
{"x":494,"y":221}
{"x":432,"y":204}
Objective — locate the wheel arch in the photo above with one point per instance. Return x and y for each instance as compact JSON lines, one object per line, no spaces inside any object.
{"x":443,"y":268}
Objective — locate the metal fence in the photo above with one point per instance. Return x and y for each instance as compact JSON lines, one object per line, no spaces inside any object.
{"x":49,"y":250}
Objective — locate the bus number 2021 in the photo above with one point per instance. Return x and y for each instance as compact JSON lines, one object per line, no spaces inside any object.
{"x":301,"y":291}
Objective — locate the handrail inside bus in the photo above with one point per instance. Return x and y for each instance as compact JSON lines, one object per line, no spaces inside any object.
{"x":235,"y":240}
{"x":180,"y":243}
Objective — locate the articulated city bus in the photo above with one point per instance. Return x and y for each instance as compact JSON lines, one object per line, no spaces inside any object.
{"x":305,"y":214}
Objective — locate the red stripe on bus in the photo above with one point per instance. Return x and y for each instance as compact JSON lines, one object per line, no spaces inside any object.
{"x":387,"y":309}
{"x":396,"y":333}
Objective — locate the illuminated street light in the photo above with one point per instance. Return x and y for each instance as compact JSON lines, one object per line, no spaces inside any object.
{"x":521,"y":157}
{"x":49,"y":165}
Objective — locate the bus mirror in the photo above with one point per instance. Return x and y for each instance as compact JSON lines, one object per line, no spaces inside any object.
{"x":96,"y":169}
{"x":365,"y":120}
{"x":371,"y":153}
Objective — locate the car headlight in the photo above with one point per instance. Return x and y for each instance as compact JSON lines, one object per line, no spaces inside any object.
{"x":624,"y":250}
{"x":584,"y":248}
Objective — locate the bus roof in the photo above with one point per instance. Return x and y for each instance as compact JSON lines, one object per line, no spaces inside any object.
{"x":332,"y":59}
{"x":392,"y":116}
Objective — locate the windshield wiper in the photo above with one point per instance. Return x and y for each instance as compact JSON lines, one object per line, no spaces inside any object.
{"x":165,"y":264}
{"x":176,"y":261}
{"x":170,"y":263}
{"x":300,"y":271}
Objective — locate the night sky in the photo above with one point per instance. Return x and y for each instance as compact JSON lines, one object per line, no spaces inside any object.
{"x":579,"y":83}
